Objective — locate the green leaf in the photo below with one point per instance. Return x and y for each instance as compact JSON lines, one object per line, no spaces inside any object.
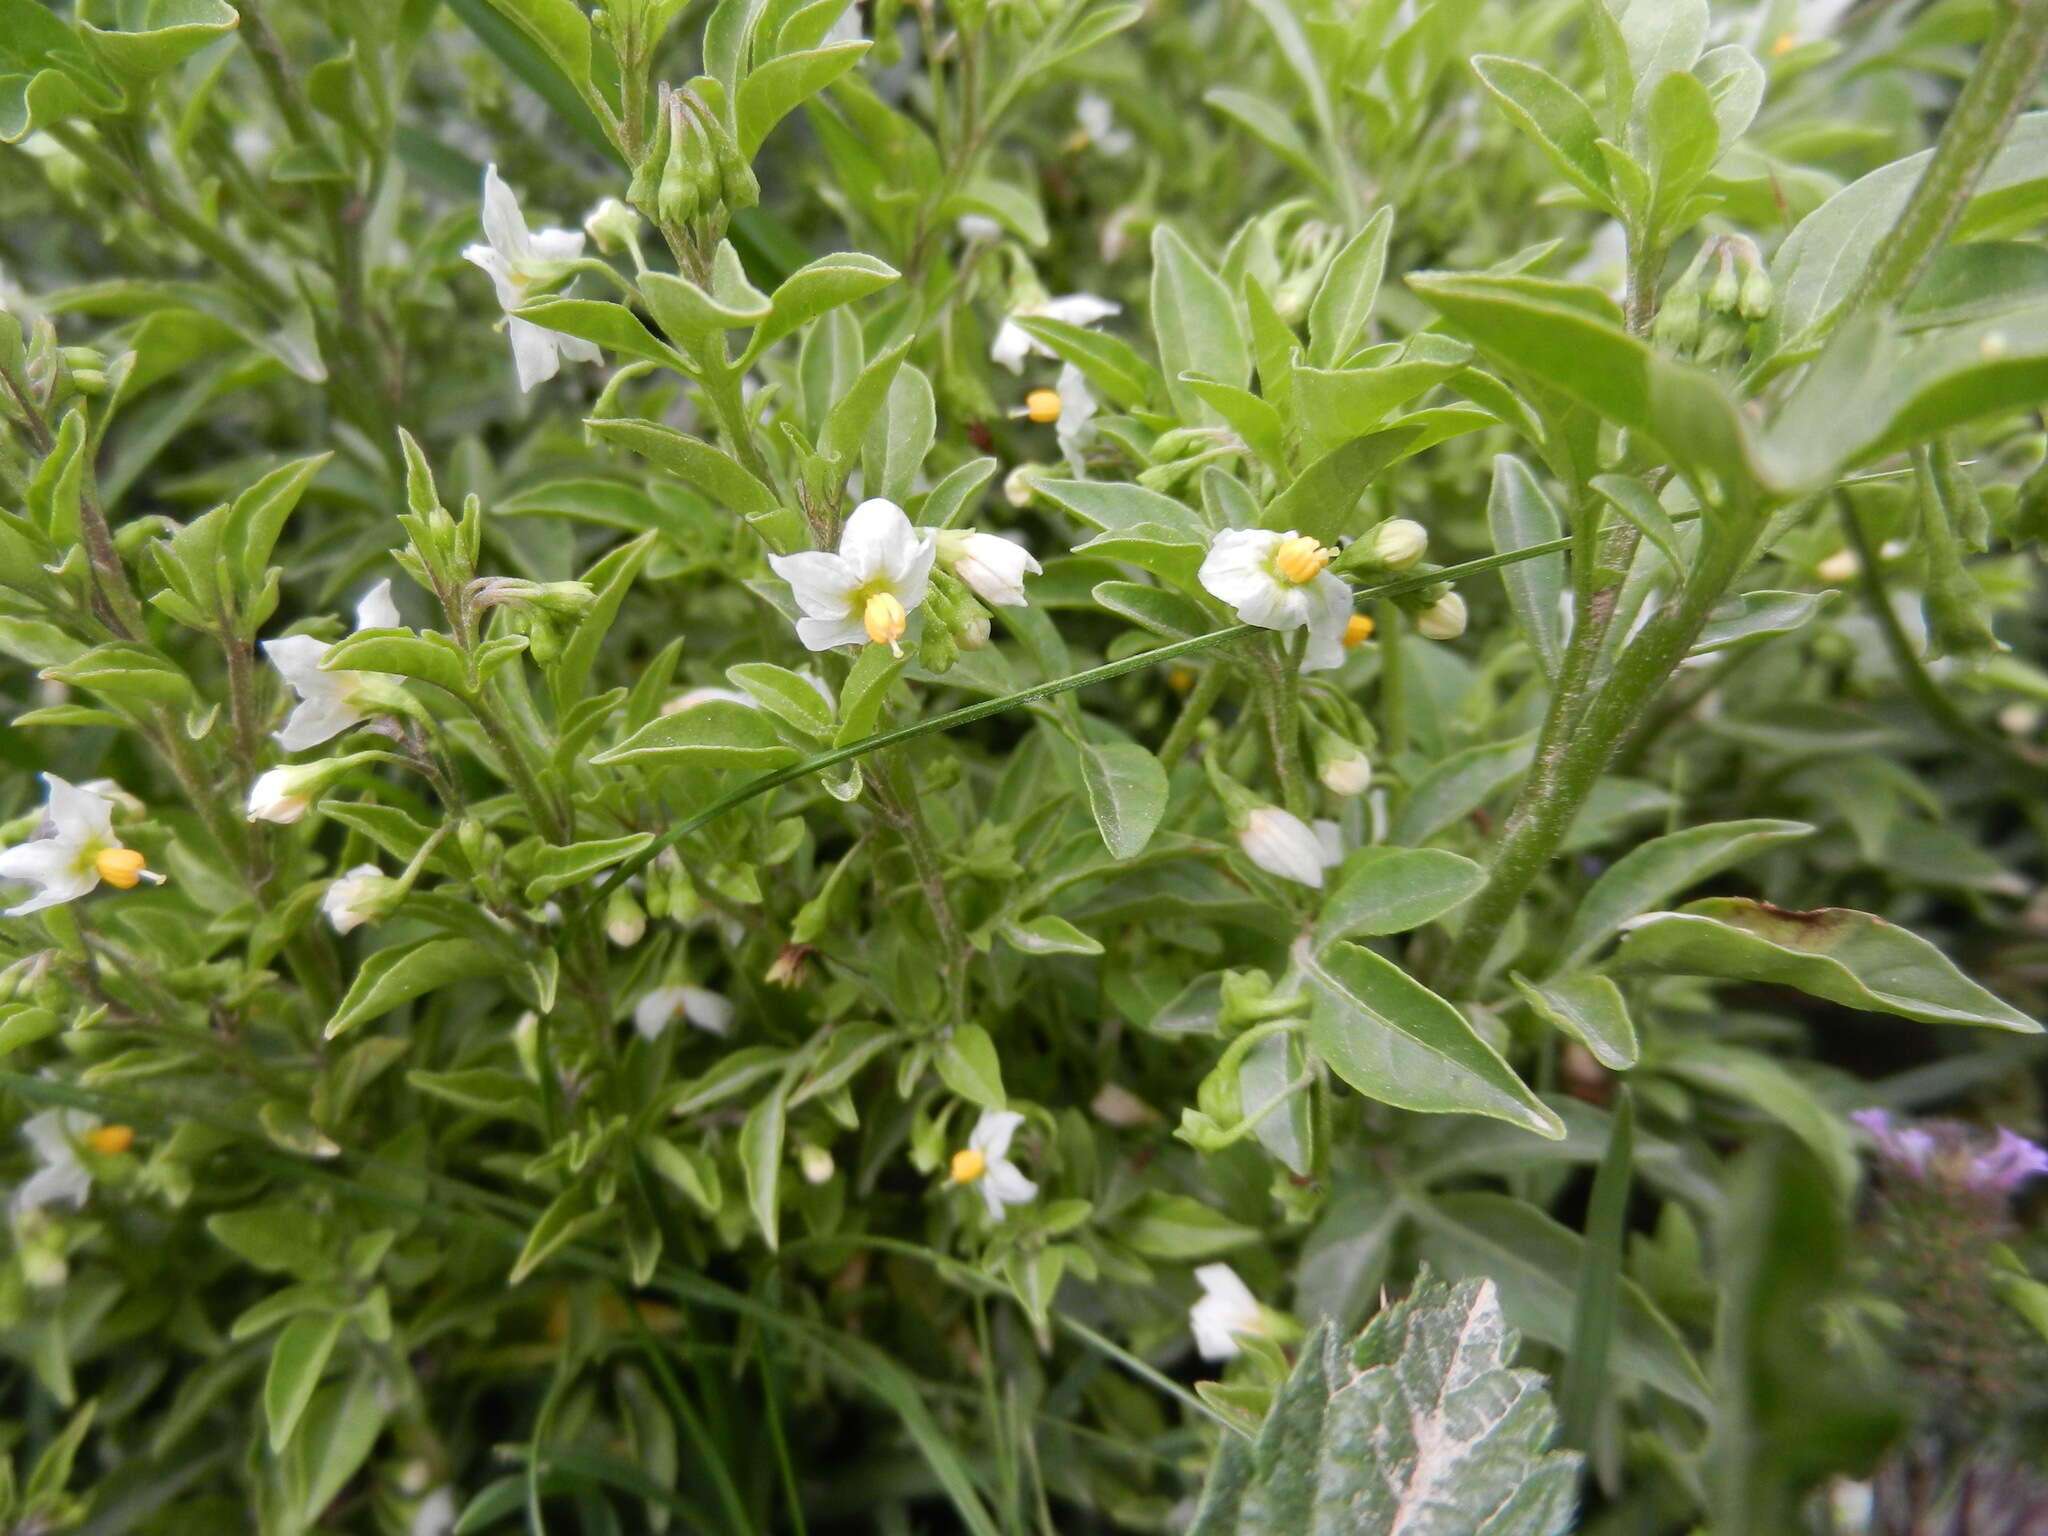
{"x":1167,"y":614}
{"x":1274,"y":1069}
{"x":1458,"y":785}
{"x":811,"y":290}
{"x":846,"y":423}
{"x":694,"y":318}
{"x":1269,"y":125}
{"x":770,"y":93}
{"x":1114,"y":506}
{"x":1661,"y":868}
{"x":786,"y":695}
{"x":691,"y":460}
{"x":612,"y":326}
{"x":1109,"y":364}
{"x":1537,"y":1263}
{"x":1338,"y":314}
{"x":1588,"y":1007}
{"x":1684,"y":142}
{"x":559,"y":29}
{"x":760,"y":1147}
{"x":1551,"y":113}
{"x":1847,"y":957}
{"x":866,"y":690}
{"x":401,"y":973}
{"x":426,"y":656}
{"x":1383,"y":890}
{"x":899,"y":437}
{"x":1599,"y":1281}
{"x":1750,"y":1077}
{"x":1419,"y":1425}
{"x":1047,"y":934}
{"x":1394,"y":1040}
{"x":1323,"y":499}
{"x":1735,"y":85}
{"x":159,"y":37}
{"x":1179,"y":1229}
{"x":717,"y":734}
{"x":967,"y":1064}
{"x":296,"y":1362}
{"x":1010,"y":206}
{"x":568,"y":1216}
{"x":555,"y":868}
{"x":1758,"y":616}
{"x":1521,"y":513}
{"x":1127,"y":793}
{"x":1196,"y":324}
{"x":1333,"y":406}
{"x":1662,"y":36}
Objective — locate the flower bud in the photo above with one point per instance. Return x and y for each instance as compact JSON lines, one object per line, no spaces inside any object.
{"x":1443,"y":619}
{"x":1678,"y":322}
{"x":1342,"y":765}
{"x":993,"y":568}
{"x":612,"y":227}
{"x":625,"y":921}
{"x":363,"y":895}
{"x":1758,"y":297}
{"x":1399,"y":543}
{"x":972,"y":634}
{"x":1283,"y":844}
{"x":1020,"y":484}
{"x":816,"y":1163}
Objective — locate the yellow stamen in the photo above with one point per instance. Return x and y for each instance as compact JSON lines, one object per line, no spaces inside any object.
{"x":1786,"y":42}
{"x":1357,"y":631}
{"x":111,"y":1140}
{"x":968,"y":1165}
{"x":1042,"y":406}
{"x":1180,"y":679}
{"x":119,"y":867}
{"x":885,"y":620}
{"x":1301,"y":559}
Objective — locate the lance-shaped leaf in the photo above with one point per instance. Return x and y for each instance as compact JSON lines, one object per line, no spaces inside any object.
{"x":1847,"y":957}
{"x":404,"y":972}
{"x":1394,"y":1040}
{"x":1416,"y":1426}
{"x":1391,"y":890}
{"x":1588,"y":1007}
{"x":715,"y":734}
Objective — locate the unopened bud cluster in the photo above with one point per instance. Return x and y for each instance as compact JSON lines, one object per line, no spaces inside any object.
{"x":693,"y":169}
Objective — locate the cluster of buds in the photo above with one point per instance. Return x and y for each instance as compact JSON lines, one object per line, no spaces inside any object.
{"x":693,"y":168}
{"x":1708,"y":311}
{"x":537,"y":609}
{"x":43,"y":376}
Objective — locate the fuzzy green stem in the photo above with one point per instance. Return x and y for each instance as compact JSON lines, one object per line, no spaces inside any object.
{"x":1207,"y":690}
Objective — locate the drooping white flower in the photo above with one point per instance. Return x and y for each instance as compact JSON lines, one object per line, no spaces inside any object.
{"x":1013,"y":343}
{"x":75,"y":850}
{"x":985,"y":1161}
{"x":329,"y":702}
{"x":1349,"y":774}
{"x":1226,"y":1309}
{"x":1076,"y":426}
{"x":1278,"y":581}
{"x":356,"y":898}
{"x":992,"y":566}
{"x":273,"y":797}
{"x":516,"y":259}
{"x":867,"y":590}
{"x":1282,"y":844}
{"x":61,"y":1177}
{"x":664,"y":1005}
{"x":1098,"y":121}
{"x":436,"y":1514}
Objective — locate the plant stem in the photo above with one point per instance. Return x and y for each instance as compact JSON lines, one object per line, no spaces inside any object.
{"x":904,"y":812}
{"x":2007,"y":70}
{"x":1208,"y":688}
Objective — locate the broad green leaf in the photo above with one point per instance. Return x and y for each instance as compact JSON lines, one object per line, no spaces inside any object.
{"x":401,"y":973}
{"x":693,"y":318}
{"x":1116,"y":505}
{"x":1847,"y":957}
{"x":1274,"y":1068}
{"x":555,"y":868}
{"x":715,"y":734}
{"x":1179,"y":1228}
{"x":1457,"y":786}
{"x":1010,"y":206}
{"x":1165,"y":613}
{"x":1551,"y":113}
{"x":1196,"y":324}
{"x":158,"y":37}
{"x":1127,"y":793}
{"x":1323,"y":499}
{"x":1661,"y":868}
{"x":691,"y":460}
{"x":899,"y":437}
{"x":846,"y":422}
{"x":810,"y":291}
{"x":1520,"y":513}
{"x":1047,"y":934}
{"x":865,"y":691}
{"x":1759,"y":616}
{"x":1735,"y":85}
{"x":786,"y":695}
{"x":426,"y":656}
{"x":1109,"y":364}
{"x":1750,"y":1077}
{"x":1338,"y":314}
{"x":967,"y":1064}
{"x":1536,"y":1263}
{"x":770,"y":93}
{"x":559,"y":29}
{"x":1251,"y":418}
{"x":1684,"y":140}
{"x":1384,"y":890}
{"x":1269,"y":124}
{"x":612,"y":326}
{"x":1588,"y":1007}
{"x":1334,"y":406}
{"x":296,"y":1362}
{"x":1417,"y":1426}
{"x":1394,"y":1040}
{"x":1662,"y":36}
{"x":760,"y":1145}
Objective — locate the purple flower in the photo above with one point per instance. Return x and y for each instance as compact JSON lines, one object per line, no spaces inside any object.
{"x":2010,"y":1160}
{"x":1911,"y":1148}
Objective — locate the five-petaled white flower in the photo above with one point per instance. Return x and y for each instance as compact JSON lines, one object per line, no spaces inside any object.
{"x":517,"y":258}
{"x":61,"y":1177}
{"x":75,"y":850}
{"x":1013,"y":343}
{"x":992,"y":566}
{"x":1227,"y":1309}
{"x":1282,"y":844}
{"x":328,"y":701}
{"x":985,"y":1160}
{"x":867,"y":590}
{"x":664,"y":1005}
{"x":360,"y":896}
{"x":1278,"y":581}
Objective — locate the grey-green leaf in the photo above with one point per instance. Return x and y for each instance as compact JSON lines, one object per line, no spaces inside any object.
{"x":1588,"y":1007}
{"x":1383,"y":890}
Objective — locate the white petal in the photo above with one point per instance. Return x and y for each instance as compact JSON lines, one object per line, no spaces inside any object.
{"x":68,"y":1184}
{"x":992,"y":1132}
{"x":1329,"y":839}
{"x":1282,"y":844}
{"x":377,"y":610}
{"x":1003,"y":1184}
{"x":1012,"y":345}
{"x":657,"y":1010}
{"x":1239,"y":565}
{"x":822,"y":584}
{"x":1079,"y":308}
{"x":78,"y":815}
{"x":504,"y":224}
{"x":1227,"y":1308}
{"x":878,"y":541}
{"x":317,"y":720}
{"x":707,"y":1010}
{"x":1329,"y":615}
{"x":53,"y":1132}
{"x":555,"y":244}
{"x":57,"y":868}
{"x":912,"y":578}
{"x":827,"y":634}
{"x":297,"y":659}
{"x":510,"y":294}
{"x":995,"y":568}
{"x":535,"y":357}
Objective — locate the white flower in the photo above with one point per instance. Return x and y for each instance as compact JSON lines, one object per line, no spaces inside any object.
{"x":436,"y":1514}
{"x":1098,"y":122}
{"x":1013,"y":343}
{"x":1399,"y":542}
{"x":75,"y":850}
{"x":664,"y":1005}
{"x":1443,"y":619}
{"x":516,"y":258}
{"x":1346,"y":776}
{"x":1278,"y":581}
{"x":354,"y":899}
{"x":816,"y":1163}
{"x":978,"y":228}
{"x":985,"y":1160}
{"x":1282,"y":844}
{"x":1227,"y":1308}
{"x":1839,"y":567}
{"x":1077,"y":417}
{"x":993,"y":566}
{"x":867,"y":590}
{"x":329,"y":702}
{"x":60,"y":1177}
